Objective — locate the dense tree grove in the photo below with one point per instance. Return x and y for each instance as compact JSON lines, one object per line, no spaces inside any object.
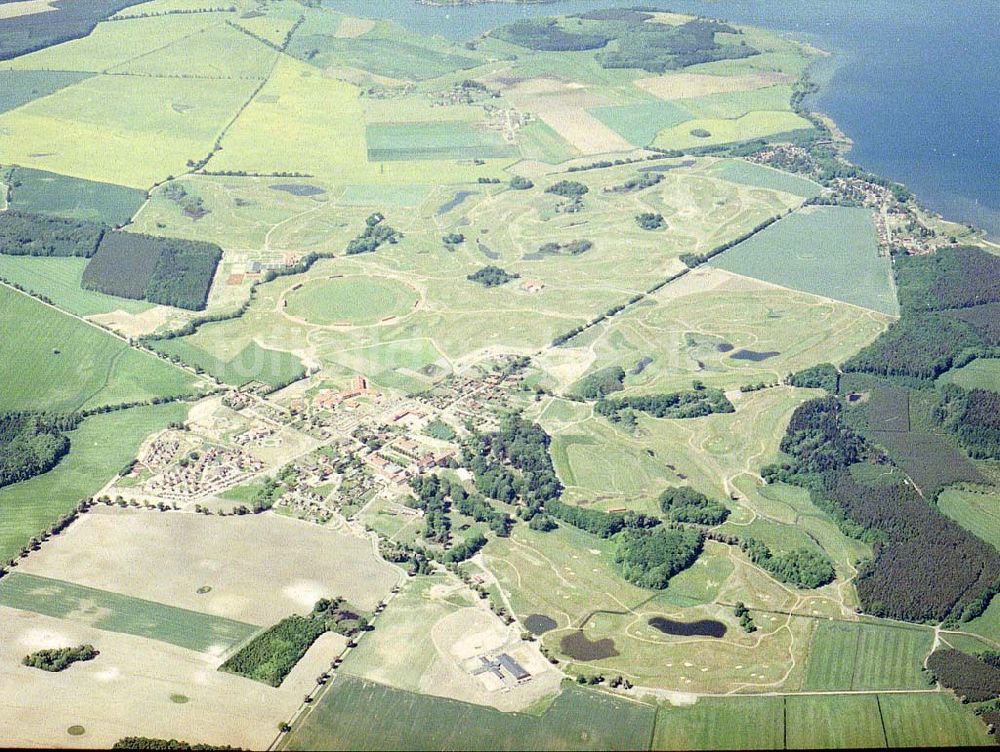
{"x":658,"y":48}
{"x":600,"y":383}
{"x":546,"y":34}
{"x":597,"y":522}
{"x":641,"y":181}
{"x":519,"y":183}
{"x":492,"y":276}
{"x":25,"y":234}
{"x":146,"y":742}
{"x":690,"y":404}
{"x":971,"y":678}
{"x":973,"y":416}
{"x":376,"y":233}
{"x":682,"y":504}
{"x":466,"y":549}
{"x":513,"y":464}
{"x":568,"y":189}
{"x":822,"y":376}
{"x":573,"y":247}
{"x":925,"y":567}
{"x":31,"y":444}
{"x":436,"y":495}
{"x":166,"y":271}
{"x":650,"y":557}
{"x":650,"y":221}
{"x":956,"y":277}
{"x":59,"y":659}
{"x":801,"y":567}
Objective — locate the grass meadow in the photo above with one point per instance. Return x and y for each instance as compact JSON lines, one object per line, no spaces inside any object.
{"x":722,"y":723}
{"x":982,"y":373}
{"x":62,"y":196}
{"x":64,"y":364}
{"x":350,"y":300}
{"x":99,"y":448}
{"x":58,"y":279}
{"x":121,"y":613}
{"x":977,"y":511}
{"x":856,"y":656}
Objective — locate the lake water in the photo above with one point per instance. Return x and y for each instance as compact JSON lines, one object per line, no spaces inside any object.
{"x":915,"y":83}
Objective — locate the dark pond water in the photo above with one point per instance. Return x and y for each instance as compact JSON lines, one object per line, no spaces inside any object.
{"x":754,"y":355}
{"x":580,"y":648}
{"x":457,"y":199}
{"x":298,"y":189}
{"x":702,"y":628}
{"x":539,"y":624}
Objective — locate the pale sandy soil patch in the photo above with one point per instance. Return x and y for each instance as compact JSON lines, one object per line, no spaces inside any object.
{"x":351,"y":27}
{"x":688,"y":85}
{"x":260,"y":568}
{"x":134,"y":324}
{"x":673,"y":19}
{"x":127,"y":689}
{"x":24,"y":8}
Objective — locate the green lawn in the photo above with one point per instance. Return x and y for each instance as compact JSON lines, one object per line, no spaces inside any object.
{"x":825,"y":250}
{"x":114,"y":612}
{"x":853,"y":656}
{"x":722,"y":723}
{"x":99,"y":448}
{"x":357,"y":714}
{"x":351,"y":300}
{"x":58,"y":279}
{"x":60,"y":363}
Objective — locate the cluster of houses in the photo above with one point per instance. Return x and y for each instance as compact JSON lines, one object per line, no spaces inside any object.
{"x":207,"y":472}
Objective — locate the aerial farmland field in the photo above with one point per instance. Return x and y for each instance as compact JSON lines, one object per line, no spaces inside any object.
{"x":380,"y":375}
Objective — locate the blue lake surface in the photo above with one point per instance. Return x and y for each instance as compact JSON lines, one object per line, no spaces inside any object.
{"x":915,"y":83}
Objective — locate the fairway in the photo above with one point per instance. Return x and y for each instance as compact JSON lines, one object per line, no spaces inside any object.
{"x":357,"y":714}
{"x":99,"y":448}
{"x":120,"y":613}
{"x":826,"y":250}
{"x":722,"y":723}
{"x":852,"y":656}
{"x":63,"y":364}
{"x":350,"y":300}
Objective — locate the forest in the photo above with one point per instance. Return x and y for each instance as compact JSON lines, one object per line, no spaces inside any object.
{"x":25,"y":234}
{"x":600,"y":383}
{"x":970,"y":677}
{"x":650,"y":557}
{"x":31,"y":444}
{"x":801,"y":567}
{"x":973,"y":416}
{"x":681,"y":504}
{"x":167,"y":271}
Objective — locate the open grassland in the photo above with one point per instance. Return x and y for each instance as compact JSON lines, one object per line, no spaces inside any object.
{"x":748,"y":173}
{"x":930,"y":720}
{"x":350,"y":300}
{"x":112,"y":44}
{"x":128,"y":130}
{"x":833,"y":721}
{"x":99,"y":448}
{"x":356,"y":714}
{"x":114,"y":612}
{"x":199,"y":55}
{"x":17,"y":87}
{"x":244,"y":581}
{"x":682,"y":85}
{"x":252,"y":363}
{"x":755,"y":124}
{"x":43,"y":192}
{"x":63,"y":364}
{"x":138,"y":686}
{"x":978,"y":511}
{"x":982,"y":373}
{"x":854,"y":656}
{"x":722,"y":723}
{"x":830,"y":251}
{"x":58,"y":279}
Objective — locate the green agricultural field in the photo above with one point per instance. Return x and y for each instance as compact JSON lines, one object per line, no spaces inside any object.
{"x":389,"y":142}
{"x":982,"y":373}
{"x":732,"y":105}
{"x":99,"y":448}
{"x":539,"y":141}
{"x":43,"y":192}
{"x":357,"y":714}
{"x":975,"y":510}
{"x":64,"y":364}
{"x":930,"y":720}
{"x":384,"y":196}
{"x":853,"y":656}
{"x":759,"y":176}
{"x":132,"y":131}
{"x":20,"y":87}
{"x":833,"y":721}
{"x":722,"y":723}
{"x":640,"y":123}
{"x":826,"y":250}
{"x":753,"y":125}
{"x":58,"y":279}
{"x":113,"y":612}
{"x":252,"y":363}
{"x":350,"y":300}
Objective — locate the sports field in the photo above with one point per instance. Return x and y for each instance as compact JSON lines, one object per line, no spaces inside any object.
{"x":356,"y":714}
{"x":63,"y":364}
{"x":350,"y":301}
{"x":99,"y":448}
{"x":826,"y":250}
{"x":117,"y":613}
